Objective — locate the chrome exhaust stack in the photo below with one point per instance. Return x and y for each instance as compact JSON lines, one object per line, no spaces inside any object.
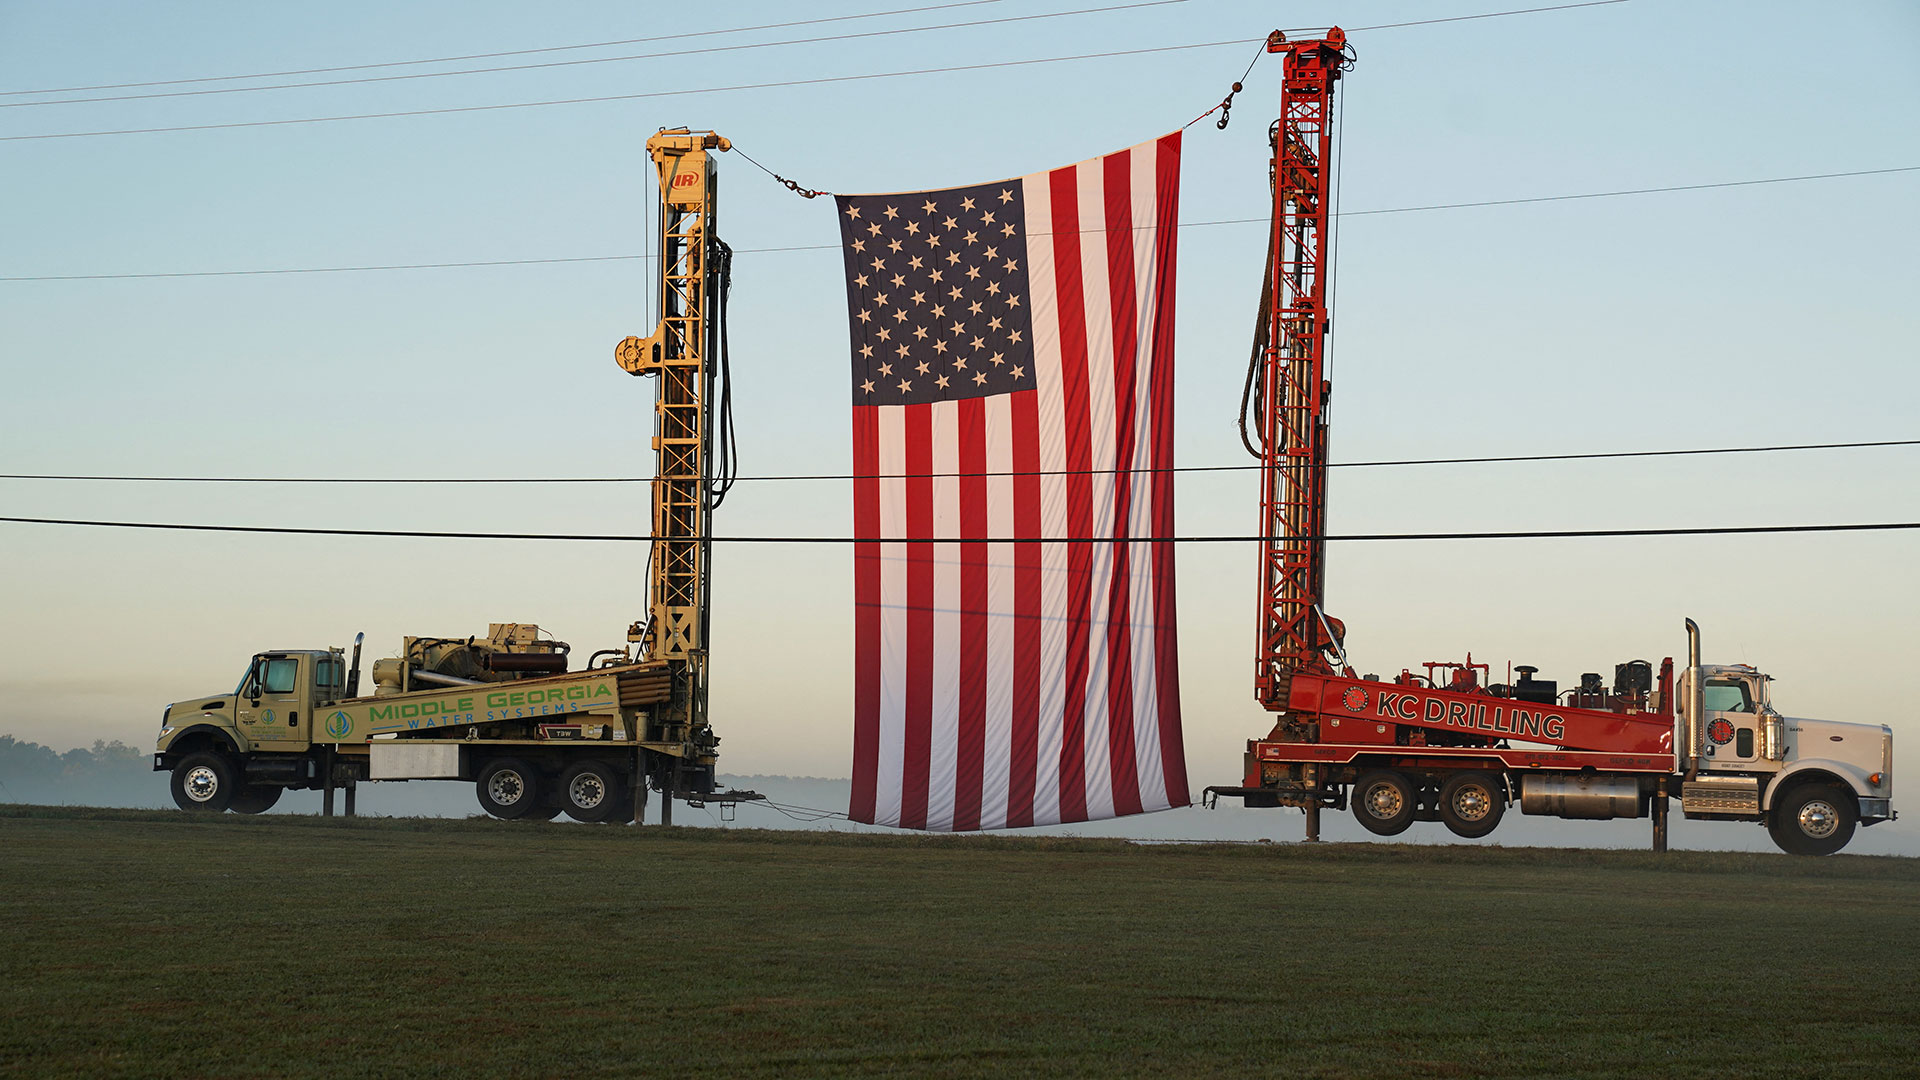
{"x":1695,"y":702}
{"x":353,"y":672}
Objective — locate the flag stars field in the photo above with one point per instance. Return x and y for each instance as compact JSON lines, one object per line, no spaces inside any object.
{"x":992,"y":278}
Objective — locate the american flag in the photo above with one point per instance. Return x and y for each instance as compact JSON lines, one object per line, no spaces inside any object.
{"x":1013,"y":378}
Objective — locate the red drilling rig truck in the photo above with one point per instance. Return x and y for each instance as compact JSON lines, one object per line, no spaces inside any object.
{"x":1451,"y":745}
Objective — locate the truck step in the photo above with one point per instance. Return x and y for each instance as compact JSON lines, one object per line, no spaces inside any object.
{"x":1720,"y":795}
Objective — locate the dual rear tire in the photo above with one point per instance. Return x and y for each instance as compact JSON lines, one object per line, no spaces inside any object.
{"x":513,"y":788}
{"x":1470,"y":804}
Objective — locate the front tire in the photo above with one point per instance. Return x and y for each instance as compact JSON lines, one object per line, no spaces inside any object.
{"x":1383,"y":802}
{"x":1472,"y":803}
{"x":204,"y":783}
{"x":256,"y":798}
{"x":1813,"y":819}
{"x":508,"y":788}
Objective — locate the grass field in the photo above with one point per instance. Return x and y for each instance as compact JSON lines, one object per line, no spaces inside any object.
{"x":149,"y":944}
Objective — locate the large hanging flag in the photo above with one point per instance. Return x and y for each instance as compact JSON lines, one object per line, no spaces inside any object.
{"x":1013,"y":380}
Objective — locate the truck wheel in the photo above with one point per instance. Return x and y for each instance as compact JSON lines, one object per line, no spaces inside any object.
{"x":256,"y":798}
{"x":1383,"y":802}
{"x":590,"y":791}
{"x":1472,"y":803}
{"x":203,"y":783}
{"x":508,"y":788}
{"x":1813,"y":819}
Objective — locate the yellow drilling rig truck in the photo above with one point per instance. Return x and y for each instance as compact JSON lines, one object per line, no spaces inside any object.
{"x":507,"y":711}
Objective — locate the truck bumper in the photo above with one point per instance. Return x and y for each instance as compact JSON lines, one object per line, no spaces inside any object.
{"x":1874,"y":810}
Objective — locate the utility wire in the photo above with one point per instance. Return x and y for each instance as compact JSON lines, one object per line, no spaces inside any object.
{"x":596,"y":59}
{"x":670,"y":37}
{"x":1535,"y":534}
{"x":836,"y":247}
{"x":918,"y":476}
{"x":823,"y":80}
{"x":494,"y":55}
{"x":764,"y":86}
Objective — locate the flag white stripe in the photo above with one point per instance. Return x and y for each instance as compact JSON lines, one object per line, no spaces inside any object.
{"x":997,"y":768}
{"x":1045,"y":310}
{"x":1146,"y":728}
{"x":944,"y":734}
{"x":893,"y":618}
{"x":1090,"y":180}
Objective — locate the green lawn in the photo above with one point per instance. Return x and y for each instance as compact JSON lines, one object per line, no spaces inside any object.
{"x":148,"y":943}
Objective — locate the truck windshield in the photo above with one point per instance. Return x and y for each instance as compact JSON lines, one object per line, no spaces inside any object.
{"x":1728,"y":695}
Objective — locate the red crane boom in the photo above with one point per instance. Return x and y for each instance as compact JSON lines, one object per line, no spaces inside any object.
{"x":1289,"y":380}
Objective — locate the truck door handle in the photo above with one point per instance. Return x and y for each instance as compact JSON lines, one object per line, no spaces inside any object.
{"x":293,"y":718}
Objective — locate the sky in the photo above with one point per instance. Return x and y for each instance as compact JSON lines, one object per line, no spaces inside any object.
{"x":1734,"y":316}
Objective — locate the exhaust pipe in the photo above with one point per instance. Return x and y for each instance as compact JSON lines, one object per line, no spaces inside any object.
{"x":1696,"y":701}
{"x":353,"y":673}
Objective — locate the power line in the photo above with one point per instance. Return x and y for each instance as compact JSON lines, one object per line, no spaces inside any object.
{"x":672,"y":37}
{"x":1536,"y":534}
{"x":626,"y":97}
{"x":836,"y":247}
{"x":901,"y":476}
{"x":1486,"y":15}
{"x":341,"y":269}
{"x":494,"y":55}
{"x":763,"y":86}
{"x":1636,"y":191}
{"x":823,"y":80}
{"x":595,"y":59}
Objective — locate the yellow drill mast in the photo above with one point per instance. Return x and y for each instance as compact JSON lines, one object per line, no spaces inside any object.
{"x":684,"y":352}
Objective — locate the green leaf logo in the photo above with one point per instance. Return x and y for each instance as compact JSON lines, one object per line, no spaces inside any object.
{"x":339,"y":724}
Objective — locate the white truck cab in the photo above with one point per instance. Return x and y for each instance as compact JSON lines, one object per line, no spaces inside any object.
{"x":1810,"y":781}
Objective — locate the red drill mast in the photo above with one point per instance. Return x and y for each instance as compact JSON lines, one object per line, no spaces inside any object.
{"x":1288,"y":386}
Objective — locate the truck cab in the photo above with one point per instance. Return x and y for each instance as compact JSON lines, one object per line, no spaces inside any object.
{"x":241,"y":750}
{"x":1810,"y":781}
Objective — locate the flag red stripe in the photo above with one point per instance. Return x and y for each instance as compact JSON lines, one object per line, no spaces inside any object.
{"x":866,"y":622}
{"x":1025,"y":749}
{"x":970,"y":761}
{"x":1173,"y":755}
{"x":1071,"y":302}
{"x":919,"y":646}
{"x":1118,"y":188}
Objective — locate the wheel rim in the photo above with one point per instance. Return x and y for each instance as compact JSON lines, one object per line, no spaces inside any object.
{"x":1472,"y":803}
{"x":1819,"y":818}
{"x":506,"y":787}
{"x":587,"y":791}
{"x":202,"y":783}
{"x":1383,"y":801}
